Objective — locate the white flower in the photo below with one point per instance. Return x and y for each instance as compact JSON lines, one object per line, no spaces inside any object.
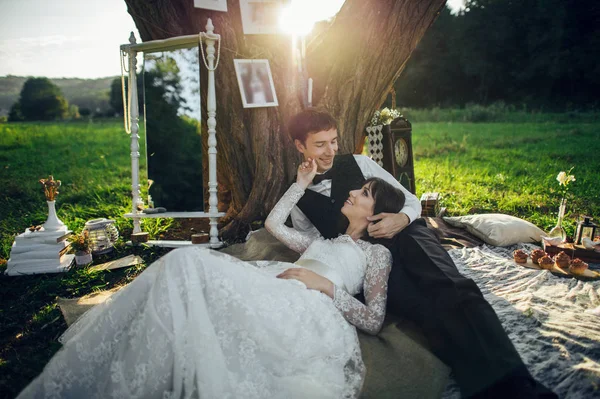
{"x":384,"y":117}
{"x":564,"y":179}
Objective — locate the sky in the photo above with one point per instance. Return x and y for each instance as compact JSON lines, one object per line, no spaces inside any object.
{"x":63,"y":38}
{"x":67,"y":38}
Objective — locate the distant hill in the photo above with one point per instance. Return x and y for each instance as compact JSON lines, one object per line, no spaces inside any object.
{"x":85,"y":93}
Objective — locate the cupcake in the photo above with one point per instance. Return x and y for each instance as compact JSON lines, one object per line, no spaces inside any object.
{"x":520,"y":256}
{"x":537,"y":254}
{"x":546,"y":262}
{"x":562,"y":260}
{"x":578,"y":266}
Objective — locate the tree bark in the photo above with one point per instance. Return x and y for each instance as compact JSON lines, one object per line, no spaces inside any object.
{"x":353,"y":60}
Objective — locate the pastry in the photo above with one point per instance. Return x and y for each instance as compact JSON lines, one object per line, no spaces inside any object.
{"x":536,"y":254}
{"x":520,"y":256}
{"x":546,"y":262}
{"x":562,"y":260}
{"x":578,"y":266}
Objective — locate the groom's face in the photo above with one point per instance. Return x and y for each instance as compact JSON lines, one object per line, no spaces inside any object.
{"x":320,"y":146}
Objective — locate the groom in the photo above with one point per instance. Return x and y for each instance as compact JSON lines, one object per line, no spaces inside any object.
{"x":424,"y":285}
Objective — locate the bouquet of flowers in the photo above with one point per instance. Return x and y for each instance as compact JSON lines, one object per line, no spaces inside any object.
{"x":81,"y":242}
{"x":50,"y":187}
{"x":384,"y":117}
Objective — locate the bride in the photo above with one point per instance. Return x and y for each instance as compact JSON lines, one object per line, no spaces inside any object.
{"x":199,"y":323}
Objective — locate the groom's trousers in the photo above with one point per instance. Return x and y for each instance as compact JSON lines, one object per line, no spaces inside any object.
{"x":460,"y":325}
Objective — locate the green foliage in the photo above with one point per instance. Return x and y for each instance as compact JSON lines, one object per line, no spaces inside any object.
{"x":539,"y":53}
{"x":496,"y":112}
{"x":116,"y":96}
{"x":15,"y":114}
{"x":74,"y":112}
{"x":174,"y":145}
{"x":41,"y":99}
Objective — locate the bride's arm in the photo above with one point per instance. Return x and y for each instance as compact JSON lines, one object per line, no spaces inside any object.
{"x":275,"y":223}
{"x":369,"y":317}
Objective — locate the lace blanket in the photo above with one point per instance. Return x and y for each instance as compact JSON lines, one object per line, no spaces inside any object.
{"x":553,"y":321}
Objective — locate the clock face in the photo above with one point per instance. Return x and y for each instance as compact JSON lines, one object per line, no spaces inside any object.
{"x":401,"y":152}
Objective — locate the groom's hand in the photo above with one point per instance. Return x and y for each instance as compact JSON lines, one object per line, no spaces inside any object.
{"x":388,"y":226}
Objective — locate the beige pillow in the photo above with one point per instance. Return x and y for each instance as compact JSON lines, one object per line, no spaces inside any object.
{"x":498,"y":229}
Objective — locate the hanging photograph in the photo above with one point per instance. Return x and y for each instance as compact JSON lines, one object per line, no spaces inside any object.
{"x":261,"y":17}
{"x":216,"y":5}
{"x":256,"y":83}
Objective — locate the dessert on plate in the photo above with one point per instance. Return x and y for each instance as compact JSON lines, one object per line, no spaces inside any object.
{"x":578,"y":266}
{"x":537,"y":254}
{"x":562,"y":260}
{"x":546,"y":262}
{"x":520,"y":256}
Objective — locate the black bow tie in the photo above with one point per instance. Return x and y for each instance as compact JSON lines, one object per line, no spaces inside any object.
{"x":325,"y":176}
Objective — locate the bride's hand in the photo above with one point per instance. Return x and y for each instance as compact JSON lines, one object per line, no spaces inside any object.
{"x":306,"y":173}
{"x":311,"y":279}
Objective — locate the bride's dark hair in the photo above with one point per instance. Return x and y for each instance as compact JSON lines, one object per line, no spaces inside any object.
{"x":388,"y":199}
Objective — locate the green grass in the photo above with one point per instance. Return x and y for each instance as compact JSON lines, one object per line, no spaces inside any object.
{"x":497,"y":112}
{"x":92,"y":160}
{"x":507,"y":167}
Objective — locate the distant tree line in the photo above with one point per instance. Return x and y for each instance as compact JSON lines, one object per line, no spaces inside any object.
{"x":41,"y":100}
{"x":526,"y":53}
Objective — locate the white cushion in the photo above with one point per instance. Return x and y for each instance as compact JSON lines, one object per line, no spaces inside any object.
{"x":498,"y":229}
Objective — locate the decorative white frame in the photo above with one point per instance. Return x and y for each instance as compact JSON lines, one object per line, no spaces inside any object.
{"x":132,"y":117}
{"x":216,"y":5}
{"x":253,"y":27}
{"x":240,"y":65}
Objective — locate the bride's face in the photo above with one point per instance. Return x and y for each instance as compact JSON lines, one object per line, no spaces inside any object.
{"x":360,"y":203}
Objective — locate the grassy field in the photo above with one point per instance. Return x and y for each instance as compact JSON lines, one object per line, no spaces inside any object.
{"x":507,"y":167}
{"x":510,"y":168}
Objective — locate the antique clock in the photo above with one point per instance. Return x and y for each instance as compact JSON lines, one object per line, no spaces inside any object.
{"x":397,"y":152}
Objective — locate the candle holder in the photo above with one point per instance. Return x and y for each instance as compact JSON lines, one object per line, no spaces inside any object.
{"x":103,"y":235}
{"x":585,"y":228}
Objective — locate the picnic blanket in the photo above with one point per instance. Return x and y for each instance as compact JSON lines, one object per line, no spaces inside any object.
{"x":553,"y":321}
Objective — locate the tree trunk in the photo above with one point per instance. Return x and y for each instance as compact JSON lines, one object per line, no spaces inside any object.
{"x":353,"y":60}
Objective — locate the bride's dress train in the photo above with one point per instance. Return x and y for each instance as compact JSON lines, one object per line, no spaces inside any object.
{"x":198,"y":323}
{"x":201,"y":324}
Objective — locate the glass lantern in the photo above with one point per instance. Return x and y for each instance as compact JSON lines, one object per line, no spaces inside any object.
{"x":103,"y":235}
{"x":585,"y":228}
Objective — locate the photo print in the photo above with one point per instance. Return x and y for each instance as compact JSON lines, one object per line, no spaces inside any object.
{"x":256,"y":83}
{"x":216,"y":5}
{"x":261,"y":17}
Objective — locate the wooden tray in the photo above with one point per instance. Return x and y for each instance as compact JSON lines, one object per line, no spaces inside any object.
{"x":574,"y":251}
{"x":557,"y":271}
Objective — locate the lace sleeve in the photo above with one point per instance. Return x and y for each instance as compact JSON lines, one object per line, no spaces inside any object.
{"x":275,"y":223}
{"x":369,"y":317}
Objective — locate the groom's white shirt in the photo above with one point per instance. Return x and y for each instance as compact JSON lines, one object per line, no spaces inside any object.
{"x":369,"y":168}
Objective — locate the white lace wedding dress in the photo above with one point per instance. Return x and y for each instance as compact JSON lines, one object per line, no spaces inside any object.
{"x":201,"y":324}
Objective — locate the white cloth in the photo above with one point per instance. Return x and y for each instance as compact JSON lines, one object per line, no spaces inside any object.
{"x":199,"y":323}
{"x":412,"y":206}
